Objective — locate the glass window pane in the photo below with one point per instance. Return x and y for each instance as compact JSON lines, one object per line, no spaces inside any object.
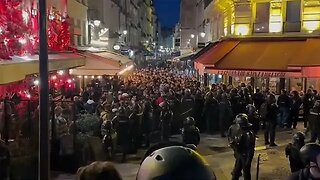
{"x":293,"y":11}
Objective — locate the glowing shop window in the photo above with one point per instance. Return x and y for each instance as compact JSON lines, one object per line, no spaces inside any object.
{"x":242,"y":29}
{"x":275,"y":27}
{"x":311,"y":25}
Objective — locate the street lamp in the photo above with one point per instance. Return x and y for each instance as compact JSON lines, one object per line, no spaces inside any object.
{"x":202,"y":34}
{"x":192,"y":36}
{"x":125,"y":32}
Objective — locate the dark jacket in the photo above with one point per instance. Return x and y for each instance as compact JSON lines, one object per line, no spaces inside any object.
{"x":295,"y":106}
{"x":247,"y":143}
{"x":272,"y":113}
{"x":258,"y":99}
{"x":283,"y":101}
{"x":191,"y":135}
{"x":314,"y":120}
{"x":292,"y":151}
{"x":308,"y":101}
{"x":225,"y":113}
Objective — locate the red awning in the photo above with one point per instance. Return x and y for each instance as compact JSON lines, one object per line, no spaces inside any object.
{"x":215,"y":54}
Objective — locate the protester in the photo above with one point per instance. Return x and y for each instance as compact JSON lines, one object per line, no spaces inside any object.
{"x":284,"y":107}
{"x":271,"y":121}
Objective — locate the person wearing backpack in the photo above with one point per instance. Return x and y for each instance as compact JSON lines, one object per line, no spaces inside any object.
{"x":242,"y":140}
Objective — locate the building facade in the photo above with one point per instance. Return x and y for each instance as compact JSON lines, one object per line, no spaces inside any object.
{"x":264,"y":25}
{"x":190,"y":33}
{"x":77,"y":12}
{"x":130,"y":24}
{"x":262,"y":18}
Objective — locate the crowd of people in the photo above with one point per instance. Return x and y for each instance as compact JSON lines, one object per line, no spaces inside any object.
{"x":156,"y":103}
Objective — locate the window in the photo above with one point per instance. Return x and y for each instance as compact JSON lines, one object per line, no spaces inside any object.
{"x":293,"y":17}
{"x":261,"y":24}
{"x":311,"y":16}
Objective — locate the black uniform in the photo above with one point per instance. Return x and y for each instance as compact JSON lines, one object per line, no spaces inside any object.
{"x":293,"y":152}
{"x":314,"y":120}
{"x":122,"y":127}
{"x":166,"y":116}
{"x":191,"y":135}
{"x":243,"y":148}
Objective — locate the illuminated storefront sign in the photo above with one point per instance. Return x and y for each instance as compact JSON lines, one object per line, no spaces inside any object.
{"x":266,"y":74}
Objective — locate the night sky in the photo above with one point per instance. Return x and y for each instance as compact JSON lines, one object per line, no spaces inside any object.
{"x":168,"y":12}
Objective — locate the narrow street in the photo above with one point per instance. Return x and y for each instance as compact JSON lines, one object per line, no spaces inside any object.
{"x":273,"y":163}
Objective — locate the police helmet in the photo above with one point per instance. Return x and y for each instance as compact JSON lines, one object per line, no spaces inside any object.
{"x":190,"y":121}
{"x":175,"y":162}
{"x":309,"y":153}
{"x":242,"y":120}
{"x":298,"y":138}
{"x":251,"y":109}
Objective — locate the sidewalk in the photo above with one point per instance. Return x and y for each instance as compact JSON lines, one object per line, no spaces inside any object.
{"x":273,"y":163}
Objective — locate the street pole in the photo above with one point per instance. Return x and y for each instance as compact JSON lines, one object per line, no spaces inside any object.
{"x":44,"y":158}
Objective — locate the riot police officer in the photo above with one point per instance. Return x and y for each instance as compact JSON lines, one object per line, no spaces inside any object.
{"x":166,"y":116}
{"x":242,"y":141}
{"x":190,"y":133}
{"x":253,"y":118}
{"x":293,"y":151}
{"x":122,"y":126}
{"x":310,"y":155}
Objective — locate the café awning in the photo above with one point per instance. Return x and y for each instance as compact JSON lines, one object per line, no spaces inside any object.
{"x":214,"y":54}
{"x":261,"y":55}
{"x":103,"y":63}
{"x":19,"y":67}
{"x":270,"y":57}
{"x":308,"y":55}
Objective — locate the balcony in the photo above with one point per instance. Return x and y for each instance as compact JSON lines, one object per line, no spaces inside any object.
{"x":292,"y":26}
